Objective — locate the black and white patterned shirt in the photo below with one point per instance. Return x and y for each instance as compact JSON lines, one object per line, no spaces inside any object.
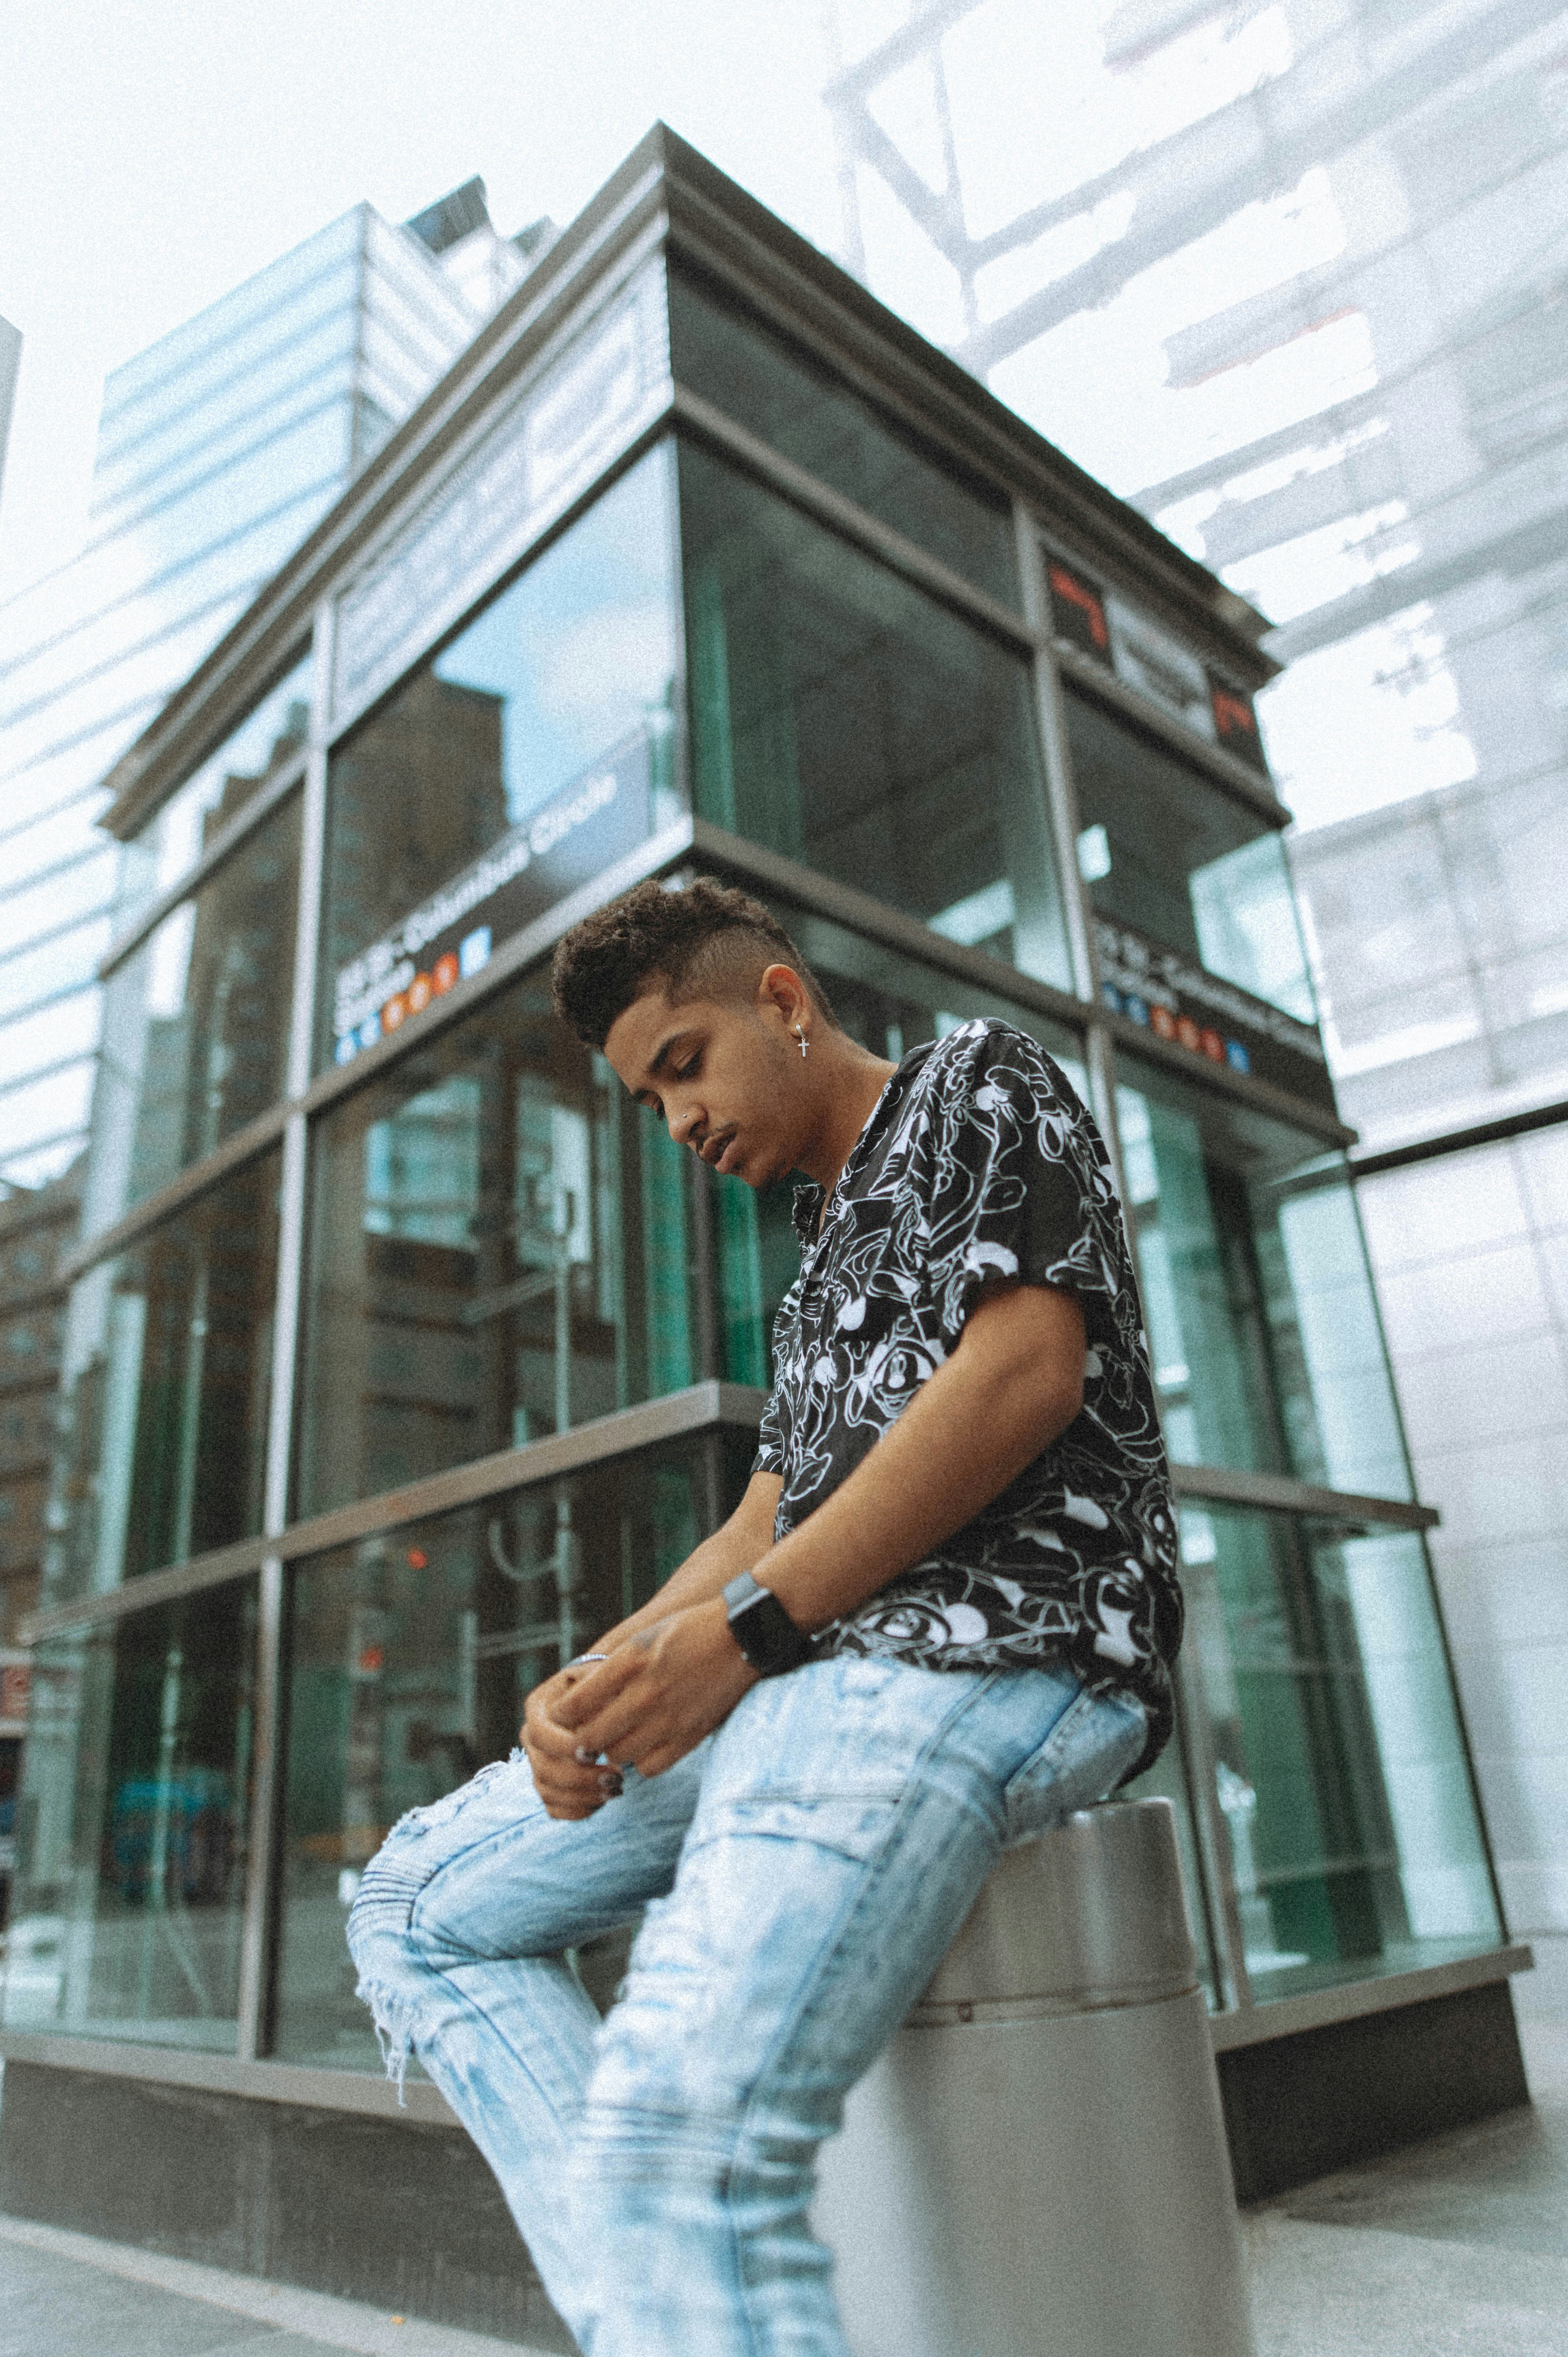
{"x":979,"y":1165}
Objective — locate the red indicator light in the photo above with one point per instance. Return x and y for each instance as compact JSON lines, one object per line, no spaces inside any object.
{"x":443,"y":972}
{"x":418,"y":1560}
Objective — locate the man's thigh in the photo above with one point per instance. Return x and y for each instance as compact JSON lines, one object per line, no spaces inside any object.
{"x":486,"y":1873}
{"x":847,"y":1816}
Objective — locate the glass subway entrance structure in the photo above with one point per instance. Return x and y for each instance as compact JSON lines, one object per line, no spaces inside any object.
{"x":402,"y":1354}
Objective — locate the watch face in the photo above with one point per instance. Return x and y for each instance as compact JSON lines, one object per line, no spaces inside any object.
{"x":766,"y":1635}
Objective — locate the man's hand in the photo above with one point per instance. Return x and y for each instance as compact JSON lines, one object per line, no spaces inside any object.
{"x":567,"y":1787}
{"x":650,"y":1703}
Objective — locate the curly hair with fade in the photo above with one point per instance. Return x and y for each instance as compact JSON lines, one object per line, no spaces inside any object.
{"x":700,"y":938}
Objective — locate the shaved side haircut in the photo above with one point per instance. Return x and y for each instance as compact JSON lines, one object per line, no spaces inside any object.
{"x":698,"y":940}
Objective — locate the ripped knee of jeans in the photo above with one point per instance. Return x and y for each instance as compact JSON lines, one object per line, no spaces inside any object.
{"x":392,"y":2018}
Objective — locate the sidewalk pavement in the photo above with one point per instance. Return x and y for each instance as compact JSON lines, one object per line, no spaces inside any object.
{"x":64,"y":2295}
{"x":1453,"y":2248}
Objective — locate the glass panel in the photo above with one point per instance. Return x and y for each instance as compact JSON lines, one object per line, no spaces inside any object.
{"x":1184,"y":862}
{"x":525,"y":760}
{"x":889,"y":1004}
{"x":165,"y":1391}
{"x":1167,"y":1780}
{"x":411,"y":1657}
{"x":195,"y":1025}
{"x":199,"y":436}
{"x":1354,"y":1835}
{"x":846,"y":719}
{"x":501,"y":1248}
{"x":133,"y":1826}
{"x":807,"y":413}
{"x":262,"y":746}
{"x":221,"y":343}
{"x":1268,"y":1350}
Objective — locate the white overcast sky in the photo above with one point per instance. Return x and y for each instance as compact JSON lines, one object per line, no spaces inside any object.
{"x":152,"y":157}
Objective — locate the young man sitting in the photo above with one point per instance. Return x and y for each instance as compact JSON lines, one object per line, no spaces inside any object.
{"x":944,"y":1614}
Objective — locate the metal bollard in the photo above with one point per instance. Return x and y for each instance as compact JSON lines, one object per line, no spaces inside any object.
{"x":1037,"y":2166}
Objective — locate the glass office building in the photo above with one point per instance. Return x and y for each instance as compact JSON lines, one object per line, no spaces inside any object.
{"x":403,"y":1353}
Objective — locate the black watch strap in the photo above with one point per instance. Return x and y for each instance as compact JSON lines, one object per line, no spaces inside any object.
{"x":762,"y":1629}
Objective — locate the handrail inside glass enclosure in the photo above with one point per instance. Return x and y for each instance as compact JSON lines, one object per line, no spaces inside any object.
{"x":405,"y":1352}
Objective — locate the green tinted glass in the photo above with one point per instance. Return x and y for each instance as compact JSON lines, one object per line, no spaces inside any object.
{"x":166,"y":1389}
{"x":847,"y":720}
{"x":134,"y":1827}
{"x":1354,"y":1837}
{"x":1168,"y":851}
{"x":502,"y":1247}
{"x":1267,"y":1347}
{"x":806,"y":413}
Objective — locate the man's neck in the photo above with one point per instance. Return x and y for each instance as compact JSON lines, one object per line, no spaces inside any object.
{"x":852,"y":1084}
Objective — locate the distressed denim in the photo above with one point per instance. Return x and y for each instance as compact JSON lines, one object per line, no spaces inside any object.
{"x":803,"y":1872}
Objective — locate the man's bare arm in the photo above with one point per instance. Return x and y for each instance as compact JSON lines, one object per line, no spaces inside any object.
{"x":1014,"y":1383}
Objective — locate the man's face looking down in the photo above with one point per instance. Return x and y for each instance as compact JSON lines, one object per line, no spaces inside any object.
{"x":726,"y":1075}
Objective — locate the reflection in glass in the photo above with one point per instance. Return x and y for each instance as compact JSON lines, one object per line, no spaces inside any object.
{"x":1267,"y":1347}
{"x":889,"y":1004}
{"x":501,"y":1248}
{"x":1180,"y":860}
{"x":411,"y":1657}
{"x":797,"y":405}
{"x":134,"y":1826}
{"x":846,"y":719}
{"x":165,"y":1391}
{"x":195,"y":1025}
{"x":266,"y":742}
{"x":1355,"y":1838}
{"x":565,"y":680}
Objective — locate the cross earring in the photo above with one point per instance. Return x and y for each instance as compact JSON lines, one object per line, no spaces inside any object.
{"x":801,"y":1037}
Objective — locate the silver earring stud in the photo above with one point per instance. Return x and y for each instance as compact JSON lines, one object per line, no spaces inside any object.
{"x":801,"y":1037}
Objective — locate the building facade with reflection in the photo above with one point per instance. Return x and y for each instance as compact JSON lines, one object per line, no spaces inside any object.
{"x":403,"y":1353}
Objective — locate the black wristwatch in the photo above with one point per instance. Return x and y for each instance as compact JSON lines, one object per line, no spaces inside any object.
{"x":762,"y":1629}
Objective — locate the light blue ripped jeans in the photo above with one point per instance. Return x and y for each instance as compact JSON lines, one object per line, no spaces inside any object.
{"x":803,"y":1871}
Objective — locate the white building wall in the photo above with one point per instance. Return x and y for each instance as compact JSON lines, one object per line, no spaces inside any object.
{"x":1470,"y":1252}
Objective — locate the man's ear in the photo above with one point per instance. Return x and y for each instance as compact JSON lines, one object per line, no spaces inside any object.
{"x":781,"y":992}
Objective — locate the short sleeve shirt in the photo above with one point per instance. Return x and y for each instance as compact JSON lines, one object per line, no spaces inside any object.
{"x":979,"y":1166}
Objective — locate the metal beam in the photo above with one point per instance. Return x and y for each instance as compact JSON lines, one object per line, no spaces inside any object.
{"x":1282,"y":1493}
{"x":676,"y":1416}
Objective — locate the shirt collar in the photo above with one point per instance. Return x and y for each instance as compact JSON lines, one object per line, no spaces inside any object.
{"x":805,"y":1210}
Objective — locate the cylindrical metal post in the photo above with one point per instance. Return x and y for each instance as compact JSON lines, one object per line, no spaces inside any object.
{"x":1037,"y":2167}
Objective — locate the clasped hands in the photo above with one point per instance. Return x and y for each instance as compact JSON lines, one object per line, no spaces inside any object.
{"x":657,"y":1695}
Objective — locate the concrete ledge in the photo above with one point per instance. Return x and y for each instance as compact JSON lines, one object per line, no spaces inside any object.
{"x":395,"y":2212}
{"x":1299,"y":2107}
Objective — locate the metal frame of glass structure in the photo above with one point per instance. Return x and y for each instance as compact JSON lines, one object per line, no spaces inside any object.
{"x":1304,"y":1667}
